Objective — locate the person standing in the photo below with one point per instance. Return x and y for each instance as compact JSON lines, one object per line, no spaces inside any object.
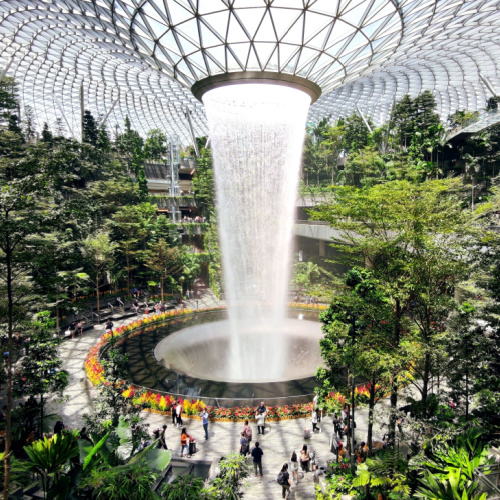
{"x":163,"y":440}
{"x":304,"y":459}
{"x":204,"y":418}
{"x":336,"y":423}
{"x":257,"y":459}
{"x":109,"y":326}
{"x":314,"y":420}
{"x":80,"y":328}
{"x":248,"y":433}
{"x":285,"y":483}
{"x":185,"y":439}
{"x":243,"y":445}
{"x":179,"y":413}
{"x":261,"y":422}
{"x":294,"y":467}
{"x":174,"y":414}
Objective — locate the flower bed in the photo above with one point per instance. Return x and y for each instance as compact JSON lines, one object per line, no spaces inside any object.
{"x":160,"y":403}
{"x":307,"y":307}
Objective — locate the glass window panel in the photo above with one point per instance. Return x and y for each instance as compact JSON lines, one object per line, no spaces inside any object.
{"x":253,"y":63}
{"x":218,"y":22}
{"x":314,"y":23}
{"x":265,"y":32}
{"x":177,"y":13}
{"x":235,"y":33}
{"x":232,"y":63}
{"x":157,"y":29}
{"x":241,"y":51}
{"x":248,"y":3}
{"x":319,"y":40}
{"x":324,"y":6}
{"x":264,"y":50}
{"x":218,"y":53}
{"x":340,"y":32}
{"x":283,"y":19}
{"x":285,"y":53}
{"x":169,"y":42}
{"x":187,"y":46}
{"x":294,"y":34}
{"x":251,"y":19}
{"x":272,"y":64}
{"x":208,"y":39}
{"x":290,"y":66}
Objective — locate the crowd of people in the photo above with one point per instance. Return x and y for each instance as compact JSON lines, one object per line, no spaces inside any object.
{"x":195,"y":220}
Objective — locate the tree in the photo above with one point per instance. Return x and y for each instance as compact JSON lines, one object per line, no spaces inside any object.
{"x":49,"y":456}
{"x":361,"y":317}
{"x":47,"y":134}
{"x":364,"y":167}
{"x":164,"y":261}
{"x":414,"y":239}
{"x":132,"y":230}
{"x":412,"y":116}
{"x":98,"y":250}
{"x":155,"y":146}
{"x":203,"y":182}
{"x":25,"y":211}
{"x":41,"y":368}
{"x":90,"y":132}
{"x":110,"y":406}
{"x":357,"y":135}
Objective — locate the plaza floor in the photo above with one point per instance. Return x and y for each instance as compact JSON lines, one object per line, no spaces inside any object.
{"x":278,"y":443}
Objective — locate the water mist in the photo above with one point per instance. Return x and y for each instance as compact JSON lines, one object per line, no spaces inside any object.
{"x":257,"y":133}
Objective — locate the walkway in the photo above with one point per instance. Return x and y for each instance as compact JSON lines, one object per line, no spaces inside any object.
{"x":280,"y":440}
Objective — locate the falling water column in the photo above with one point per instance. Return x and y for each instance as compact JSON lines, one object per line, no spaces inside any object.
{"x":257,"y":133}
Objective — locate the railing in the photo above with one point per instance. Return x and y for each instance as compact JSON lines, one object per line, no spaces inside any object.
{"x":490,"y":482}
{"x":487,"y":117}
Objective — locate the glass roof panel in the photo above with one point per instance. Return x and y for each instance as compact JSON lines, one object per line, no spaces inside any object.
{"x":146,"y":50}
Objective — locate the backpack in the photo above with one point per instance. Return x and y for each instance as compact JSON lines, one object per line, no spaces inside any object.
{"x":281,"y":479}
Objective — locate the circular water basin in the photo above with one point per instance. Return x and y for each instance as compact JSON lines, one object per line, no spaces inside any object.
{"x":194,"y":356}
{"x":252,"y":352}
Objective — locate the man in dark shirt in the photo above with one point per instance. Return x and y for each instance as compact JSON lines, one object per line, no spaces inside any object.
{"x":109,"y":326}
{"x":257,"y":459}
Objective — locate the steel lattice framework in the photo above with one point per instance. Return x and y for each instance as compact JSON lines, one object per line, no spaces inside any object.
{"x":144,"y":55}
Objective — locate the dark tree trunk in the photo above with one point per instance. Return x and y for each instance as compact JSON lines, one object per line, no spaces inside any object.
{"x":394,"y":385}
{"x":425,"y":383}
{"x":371,"y":406}
{"x":10,"y":328}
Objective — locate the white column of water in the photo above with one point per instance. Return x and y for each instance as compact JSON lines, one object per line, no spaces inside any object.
{"x":257,"y":133}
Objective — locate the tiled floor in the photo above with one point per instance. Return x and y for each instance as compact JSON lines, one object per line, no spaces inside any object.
{"x":278,"y":443}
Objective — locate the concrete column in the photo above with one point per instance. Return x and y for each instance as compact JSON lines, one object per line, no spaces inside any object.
{"x":322,"y":252}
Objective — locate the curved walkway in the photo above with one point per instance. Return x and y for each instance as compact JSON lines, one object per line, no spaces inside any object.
{"x":278,"y":443}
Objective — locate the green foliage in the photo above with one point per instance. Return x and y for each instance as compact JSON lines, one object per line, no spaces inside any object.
{"x":121,"y":483}
{"x":203,"y":182}
{"x":41,"y":369}
{"x":49,"y":457}
{"x":450,"y":472}
{"x":449,"y":488}
{"x":233,"y":470}
{"x":184,"y":487}
{"x":386,"y":473}
{"x":110,"y":405}
{"x":155,"y":146}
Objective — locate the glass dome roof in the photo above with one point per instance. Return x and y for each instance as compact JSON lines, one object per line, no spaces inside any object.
{"x":144,"y":55}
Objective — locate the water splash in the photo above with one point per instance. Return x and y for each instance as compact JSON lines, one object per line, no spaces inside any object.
{"x":257,"y":133}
